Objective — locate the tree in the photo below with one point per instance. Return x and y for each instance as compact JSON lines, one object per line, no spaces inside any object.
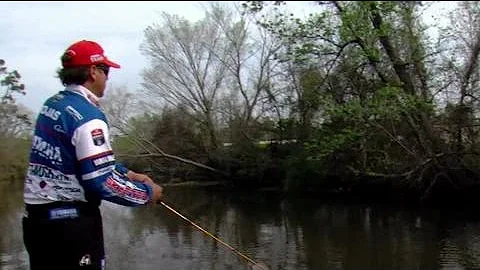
{"x":15,"y":120}
{"x":221,"y":69}
{"x":459,"y":77}
{"x":379,"y":83}
{"x":120,"y":105}
{"x":135,"y":132}
{"x":187,"y":68}
{"x":15,"y":125}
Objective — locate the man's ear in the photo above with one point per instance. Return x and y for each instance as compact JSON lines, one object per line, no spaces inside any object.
{"x":92,"y":72}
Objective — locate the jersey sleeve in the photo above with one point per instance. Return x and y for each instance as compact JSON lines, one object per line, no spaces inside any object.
{"x":100,"y":173}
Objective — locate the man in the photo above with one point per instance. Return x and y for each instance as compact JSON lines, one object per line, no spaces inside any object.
{"x":72,"y":168}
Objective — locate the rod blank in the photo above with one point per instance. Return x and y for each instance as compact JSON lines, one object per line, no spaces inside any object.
{"x":255,"y":264}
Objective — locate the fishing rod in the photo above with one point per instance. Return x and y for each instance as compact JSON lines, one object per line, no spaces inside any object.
{"x":254,"y":264}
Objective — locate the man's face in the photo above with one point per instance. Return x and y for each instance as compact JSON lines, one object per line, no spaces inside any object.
{"x":100,"y":76}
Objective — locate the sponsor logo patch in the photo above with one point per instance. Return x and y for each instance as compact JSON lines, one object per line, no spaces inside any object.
{"x":103,"y":160}
{"x":50,"y":113}
{"x":61,"y":213}
{"x":98,"y":137}
{"x":74,"y":113}
{"x":46,"y":150}
{"x":47,"y":173}
{"x":96,"y":58}
{"x":127,"y":191}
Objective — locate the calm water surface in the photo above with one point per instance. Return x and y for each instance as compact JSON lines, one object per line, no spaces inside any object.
{"x":294,"y":233}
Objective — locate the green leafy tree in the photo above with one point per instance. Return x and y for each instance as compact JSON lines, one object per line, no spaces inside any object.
{"x":381,"y":84}
{"x":15,"y":119}
{"x":15,"y":125}
{"x":10,"y":80}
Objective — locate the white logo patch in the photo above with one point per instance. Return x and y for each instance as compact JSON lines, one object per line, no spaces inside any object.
{"x":103,"y":160}
{"x":46,"y":150}
{"x":96,"y":58}
{"x":74,"y":113}
{"x":50,"y":113}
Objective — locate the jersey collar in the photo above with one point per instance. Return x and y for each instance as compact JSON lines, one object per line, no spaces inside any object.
{"x":87,"y":94}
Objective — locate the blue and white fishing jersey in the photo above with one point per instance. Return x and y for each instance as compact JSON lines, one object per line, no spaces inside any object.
{"x":71,"y":157}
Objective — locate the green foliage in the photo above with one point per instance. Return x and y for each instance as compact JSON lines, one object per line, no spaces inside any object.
{"x":355,"y":81}
{"x":310,"y":81}
{"x":126,"y":151}
{"x":385,"y":103}
{"x":14,"y":158}
{"x":10,"y":80}
{"x":124,"y":145}
{"x":329,"y":142}
{"x":304,"y":174}
{"x":356,"y":120}
{"x":253,"y":165}
{"x":286,"y":127}
{"x":14,"y":119}
{"x":175,"y":133}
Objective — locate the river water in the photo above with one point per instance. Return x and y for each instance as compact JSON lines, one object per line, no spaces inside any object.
{"x":294,"y":233}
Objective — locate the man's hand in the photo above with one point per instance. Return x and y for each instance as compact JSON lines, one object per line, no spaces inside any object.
{"x":157,"y":194}
{"x":140,"y":177}
{"x":156,"y":189}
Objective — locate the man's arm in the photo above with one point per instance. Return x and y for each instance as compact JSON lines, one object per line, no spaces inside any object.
{"x":140,"y":177}
{"x":102,"y":175}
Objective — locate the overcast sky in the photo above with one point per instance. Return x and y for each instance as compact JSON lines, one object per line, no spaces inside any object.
{"x":35,"y":34}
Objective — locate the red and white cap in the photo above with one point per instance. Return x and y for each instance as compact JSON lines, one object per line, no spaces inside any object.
{"x":84,"y":53}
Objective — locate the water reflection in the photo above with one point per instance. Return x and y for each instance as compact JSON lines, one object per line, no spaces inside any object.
{"x":293,"y":233}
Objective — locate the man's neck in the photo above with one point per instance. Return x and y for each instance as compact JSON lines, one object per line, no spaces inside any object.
{"x":90,"y":88}
{"x":87,"y":93}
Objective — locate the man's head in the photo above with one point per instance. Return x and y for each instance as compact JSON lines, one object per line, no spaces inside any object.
{"x":84,"y":63}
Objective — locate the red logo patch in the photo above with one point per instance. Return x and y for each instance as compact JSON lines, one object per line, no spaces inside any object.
{"x":98,"y":137}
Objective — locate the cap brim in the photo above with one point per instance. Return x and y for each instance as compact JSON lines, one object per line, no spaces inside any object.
{"x":111,"y":64}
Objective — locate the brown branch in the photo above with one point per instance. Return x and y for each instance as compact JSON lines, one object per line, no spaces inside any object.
{"x":433,"y":182}
{"x":163,"y":154}
{"x":470,"y":69}
{"x":398,"y":65}
{"x":143,"y":143}
{"x":393,"y":175}
{"x":396,"y":140}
